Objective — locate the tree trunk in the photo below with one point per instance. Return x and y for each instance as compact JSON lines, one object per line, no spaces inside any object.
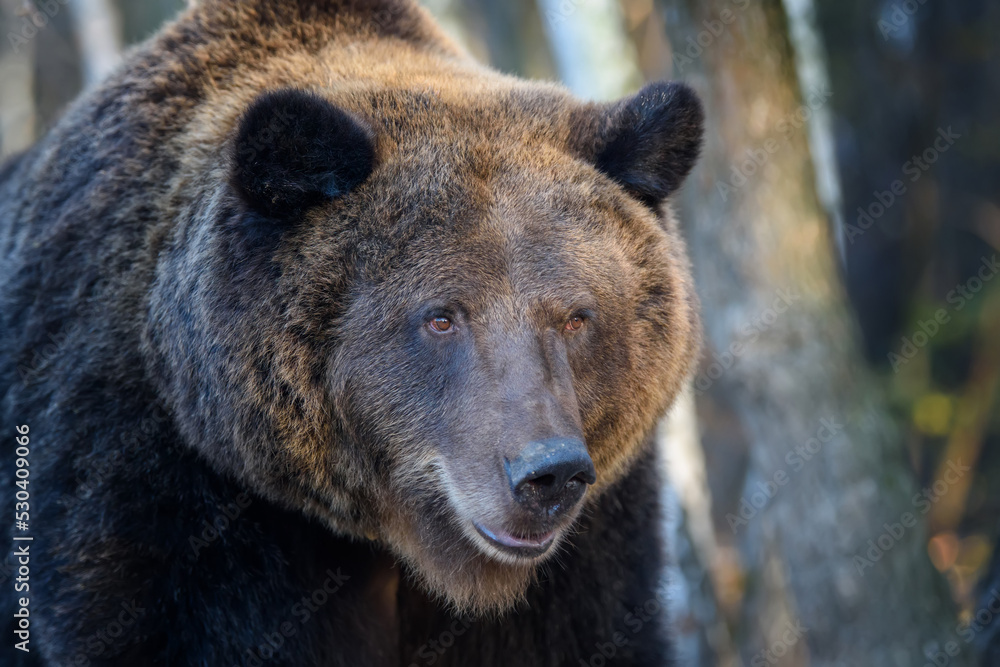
{"x":591,"y":49}
{"x":99,"y":35}
{"x":827,"y":477}
{"x":17,"y":108}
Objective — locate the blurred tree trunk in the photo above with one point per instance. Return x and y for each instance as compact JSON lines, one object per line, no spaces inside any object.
{"x":591,"y":49}
{"x":811,"y":65}
{"x":99,"y":36}
{"x":513,"y":34}
{"x":699,"y":630}
{"x":827,"y":470}
{"x":17,"y":108}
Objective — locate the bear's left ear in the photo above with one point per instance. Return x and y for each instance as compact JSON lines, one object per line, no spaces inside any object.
{"x":649,"y":142}
{"x":295,"y":149}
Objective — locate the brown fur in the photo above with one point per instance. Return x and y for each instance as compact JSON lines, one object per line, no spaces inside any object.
{"x":288,"y":365}
{"x":443,"y":124}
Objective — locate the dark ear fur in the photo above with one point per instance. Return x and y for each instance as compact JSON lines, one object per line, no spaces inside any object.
{"x":649,"y":142}
{"x":294,"y":149}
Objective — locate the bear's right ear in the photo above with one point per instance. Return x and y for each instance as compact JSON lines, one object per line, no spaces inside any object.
{"x":295,"y":149}
{"x":648,"y":142}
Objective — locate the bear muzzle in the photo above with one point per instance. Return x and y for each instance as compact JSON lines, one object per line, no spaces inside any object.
{"x":548,"y":480}
{"x":550,"y":475}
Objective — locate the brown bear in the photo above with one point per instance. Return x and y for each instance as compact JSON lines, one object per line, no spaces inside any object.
{"x":331,"y":346}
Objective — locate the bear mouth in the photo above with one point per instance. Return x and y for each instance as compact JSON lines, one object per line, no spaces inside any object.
{"x":520,"y":546}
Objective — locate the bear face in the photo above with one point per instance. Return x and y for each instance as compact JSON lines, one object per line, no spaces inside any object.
{"x":438,"y":321}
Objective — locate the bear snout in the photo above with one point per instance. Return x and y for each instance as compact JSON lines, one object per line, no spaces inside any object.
{"x":549,"y":477}
{"x":548,"y":480}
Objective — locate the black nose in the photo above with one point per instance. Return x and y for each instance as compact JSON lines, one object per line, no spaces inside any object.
{"x":554,"y":472}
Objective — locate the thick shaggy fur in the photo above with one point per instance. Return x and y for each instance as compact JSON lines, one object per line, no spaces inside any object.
{"x":215,"y":269}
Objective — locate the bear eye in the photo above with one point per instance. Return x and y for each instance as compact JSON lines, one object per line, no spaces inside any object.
{"x":441,"y":325}
{"x":574,"y":324}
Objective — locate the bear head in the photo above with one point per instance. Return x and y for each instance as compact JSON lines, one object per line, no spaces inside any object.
{"x":441,"y":312}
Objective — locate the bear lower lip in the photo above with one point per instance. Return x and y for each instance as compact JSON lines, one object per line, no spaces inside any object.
{"x":525,"y":547}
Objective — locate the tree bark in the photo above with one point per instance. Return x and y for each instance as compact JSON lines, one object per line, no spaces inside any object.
{"x":99,"y":35}
{"x":17,"y":108}
{"x":827,"y":477}
{"x":591,"y":49}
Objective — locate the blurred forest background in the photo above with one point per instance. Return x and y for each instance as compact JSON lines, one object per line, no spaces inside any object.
{"x":836,"y":467}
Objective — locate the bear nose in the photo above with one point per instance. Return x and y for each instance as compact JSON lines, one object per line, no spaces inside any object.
{"x":553,"y":473}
